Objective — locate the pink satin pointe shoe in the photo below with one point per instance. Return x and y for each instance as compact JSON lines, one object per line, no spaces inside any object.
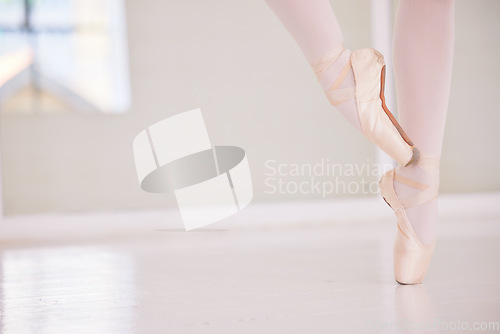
{"x":411,"y":256}
{"x":377,"y":122}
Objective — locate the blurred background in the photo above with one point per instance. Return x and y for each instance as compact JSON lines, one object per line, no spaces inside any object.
{"x":79,"y":79}
{"x":84,"y":250}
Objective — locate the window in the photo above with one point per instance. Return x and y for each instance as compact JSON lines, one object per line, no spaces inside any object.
{"x":63,"y":55}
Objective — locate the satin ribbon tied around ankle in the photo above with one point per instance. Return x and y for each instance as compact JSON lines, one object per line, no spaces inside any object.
{"x":209,"y":182}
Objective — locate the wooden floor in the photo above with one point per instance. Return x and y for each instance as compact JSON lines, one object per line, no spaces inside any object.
{"x":301,"y":279}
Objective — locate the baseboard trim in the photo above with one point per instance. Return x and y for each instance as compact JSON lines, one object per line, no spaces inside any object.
{"x":454,"y":208}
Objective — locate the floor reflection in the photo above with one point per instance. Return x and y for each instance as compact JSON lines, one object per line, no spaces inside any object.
{"x":334,"y":279}
{"x":66,"y":289}
{"x":414,"y":310}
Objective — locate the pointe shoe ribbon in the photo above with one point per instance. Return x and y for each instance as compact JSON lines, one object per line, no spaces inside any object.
{"x":335,"y":94}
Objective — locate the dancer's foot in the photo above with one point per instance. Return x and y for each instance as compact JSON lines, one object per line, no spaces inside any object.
{"x":412,"y":193}
{"x":423,"y":217}
{"x":358,"y":93}
{"x":328,"y":69}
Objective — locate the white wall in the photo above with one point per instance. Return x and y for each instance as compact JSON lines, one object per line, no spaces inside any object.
{"x":235,"y":61}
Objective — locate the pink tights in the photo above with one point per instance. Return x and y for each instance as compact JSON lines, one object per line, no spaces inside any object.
{"x":423,"y":55}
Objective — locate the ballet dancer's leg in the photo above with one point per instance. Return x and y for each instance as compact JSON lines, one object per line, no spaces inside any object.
{"x":313,"y":25}
{"x":353,"y":82}
{"x":423,"y":54}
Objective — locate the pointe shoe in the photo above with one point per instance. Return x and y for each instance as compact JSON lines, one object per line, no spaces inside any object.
{"x":377,"y":122}
{"x":411,"y":256}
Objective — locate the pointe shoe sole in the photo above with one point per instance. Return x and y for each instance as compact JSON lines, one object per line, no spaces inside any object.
{"x":377,"y":122}
{"x":398,"y":127}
